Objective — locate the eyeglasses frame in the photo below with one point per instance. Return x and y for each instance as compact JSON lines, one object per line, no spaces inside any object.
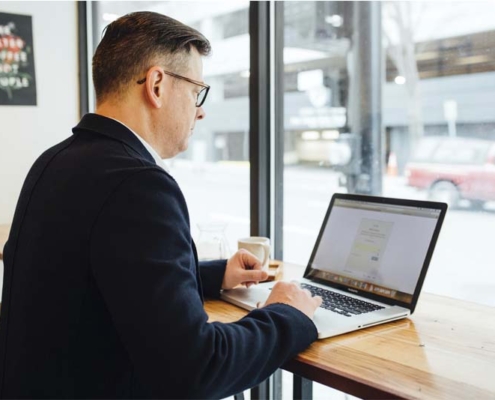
{"x":203,"y":85}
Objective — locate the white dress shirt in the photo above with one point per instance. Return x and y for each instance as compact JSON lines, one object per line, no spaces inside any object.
{"x":159,"y":161}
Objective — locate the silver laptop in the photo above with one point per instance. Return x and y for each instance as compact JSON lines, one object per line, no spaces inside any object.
{"x":368,"y":264}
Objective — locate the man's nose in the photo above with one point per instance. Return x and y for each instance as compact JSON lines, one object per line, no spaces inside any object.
{"x":200,"y":113}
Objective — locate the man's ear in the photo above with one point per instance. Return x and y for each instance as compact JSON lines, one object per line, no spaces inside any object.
{"x":154,"y":86}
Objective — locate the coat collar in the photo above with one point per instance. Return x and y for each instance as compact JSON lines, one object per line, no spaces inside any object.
{"x":113,"y":129}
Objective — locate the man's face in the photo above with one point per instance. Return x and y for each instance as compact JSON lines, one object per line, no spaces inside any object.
{"x":179,"y":114}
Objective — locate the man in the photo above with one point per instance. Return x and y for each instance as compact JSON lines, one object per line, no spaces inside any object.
{"x":103,"y":296}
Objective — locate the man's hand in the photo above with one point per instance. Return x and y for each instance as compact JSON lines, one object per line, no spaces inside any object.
{"x":243,"y":268}
{"x":290,"y":293}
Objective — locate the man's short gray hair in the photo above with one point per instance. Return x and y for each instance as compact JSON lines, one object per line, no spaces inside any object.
{"x":134,"y":43}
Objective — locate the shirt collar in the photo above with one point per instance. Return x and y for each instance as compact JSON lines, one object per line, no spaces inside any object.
{"x":159,"y":161}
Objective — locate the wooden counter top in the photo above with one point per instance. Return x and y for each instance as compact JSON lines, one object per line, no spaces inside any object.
{"x":445,"y":350}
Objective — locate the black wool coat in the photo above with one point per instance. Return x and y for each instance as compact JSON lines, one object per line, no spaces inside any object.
{"x":103,"y":292}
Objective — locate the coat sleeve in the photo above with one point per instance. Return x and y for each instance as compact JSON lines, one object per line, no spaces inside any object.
{"x":142,"y":260}
{"x":212,"y":273}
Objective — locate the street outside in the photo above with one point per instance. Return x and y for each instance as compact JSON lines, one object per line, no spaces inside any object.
{"x":463,"y":261}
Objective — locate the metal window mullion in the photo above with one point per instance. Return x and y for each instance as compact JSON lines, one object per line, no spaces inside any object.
{"x":277,"y":154}
{"x":259,"y":118}
{"x":82,"y":30}
{"x":302,"y":388}
{"x":93,"y":42}
{"x":260,"y":142}
{"x":279,"y":128}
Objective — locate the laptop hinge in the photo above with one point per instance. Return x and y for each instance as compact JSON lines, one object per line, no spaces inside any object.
{"x":382,"y":321}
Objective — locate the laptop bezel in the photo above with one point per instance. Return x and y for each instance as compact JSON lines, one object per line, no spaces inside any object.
{"x":382,"y":200}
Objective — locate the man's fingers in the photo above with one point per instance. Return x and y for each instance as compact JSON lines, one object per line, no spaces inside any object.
{"x":250,"y":260}
{"x":255,"y":275}
{"x":316,"y":299}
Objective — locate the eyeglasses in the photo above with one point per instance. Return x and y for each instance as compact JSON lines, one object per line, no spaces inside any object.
{"x":201,"y":95}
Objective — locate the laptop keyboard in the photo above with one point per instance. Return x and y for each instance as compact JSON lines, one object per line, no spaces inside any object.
{"x":339,"y":303}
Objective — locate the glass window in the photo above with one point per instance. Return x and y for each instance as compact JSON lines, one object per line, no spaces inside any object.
{"x":437,"y":87}
{"x":214,"y":172}
{"x":396,"y":103}
{"x":432,"y":136}
{"x":444,"y":79}
{"x":234,"y":23}
{"x":315,"y":115}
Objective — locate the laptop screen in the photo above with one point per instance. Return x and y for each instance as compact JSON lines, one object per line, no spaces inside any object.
{"x":375,"y":247}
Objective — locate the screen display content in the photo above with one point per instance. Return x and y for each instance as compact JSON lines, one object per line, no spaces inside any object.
{"x":374,"y":247}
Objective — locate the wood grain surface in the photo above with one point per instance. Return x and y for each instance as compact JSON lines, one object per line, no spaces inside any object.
{"x":445,"y":350}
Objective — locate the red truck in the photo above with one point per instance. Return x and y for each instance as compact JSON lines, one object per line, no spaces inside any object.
{"x":451,"y":169}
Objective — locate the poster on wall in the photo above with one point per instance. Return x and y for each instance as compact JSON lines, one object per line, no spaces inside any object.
{"x":17,"y":77}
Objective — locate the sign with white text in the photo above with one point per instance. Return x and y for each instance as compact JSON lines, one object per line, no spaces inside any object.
{"x":17,"y":76}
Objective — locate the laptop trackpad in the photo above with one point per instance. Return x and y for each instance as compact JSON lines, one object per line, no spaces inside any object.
{"x":247,"y":298}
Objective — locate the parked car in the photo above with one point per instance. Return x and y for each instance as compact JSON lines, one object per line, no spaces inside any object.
{"x":451,"y":169}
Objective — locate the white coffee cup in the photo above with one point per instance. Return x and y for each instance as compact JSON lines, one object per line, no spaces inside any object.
{"x":259,"y":246}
